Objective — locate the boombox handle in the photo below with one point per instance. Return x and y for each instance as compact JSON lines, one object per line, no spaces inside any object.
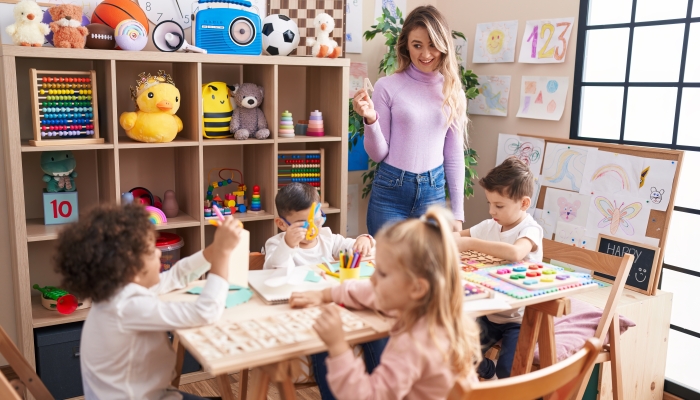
{"x":195,"y":6}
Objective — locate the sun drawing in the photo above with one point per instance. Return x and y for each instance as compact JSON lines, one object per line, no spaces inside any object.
{"x":494,"y":42}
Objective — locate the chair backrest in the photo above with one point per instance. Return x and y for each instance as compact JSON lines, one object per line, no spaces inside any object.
{"x":22,"y":368}
{"x":256,"y":261}
{"x":560,"y":380}
{"x":619,"y":267}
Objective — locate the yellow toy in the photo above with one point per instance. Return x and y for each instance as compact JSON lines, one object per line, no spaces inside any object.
{"x":217,"y":105}
{"x":157,"y":100}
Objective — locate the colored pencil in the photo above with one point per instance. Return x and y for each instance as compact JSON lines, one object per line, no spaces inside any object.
{"x":350,"y":258}
{"x":358,"y":260}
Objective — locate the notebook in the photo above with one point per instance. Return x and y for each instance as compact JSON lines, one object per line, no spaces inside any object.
{"x":281,"y":294}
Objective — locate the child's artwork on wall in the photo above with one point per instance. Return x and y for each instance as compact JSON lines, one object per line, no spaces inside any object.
{"x":529,"y":150}
{"x":495,"y":42}
{"x":569,"y":207}
{"x":612,"y":173}
{"x":353,"y":26}
{"x":656,"y":182}
{"x":543,"y":97}
{"x":564,"y":165}
{"x":461,"y":46}
{"x":547,"y":220}
{"x":546,"y":41}
{"x":390,"y":5}
{"x":494,"y":92}
{"x":358,"y":73}
{"x":570,"y":234}
{"x":535,"y":196}
{"x":619,"y":215}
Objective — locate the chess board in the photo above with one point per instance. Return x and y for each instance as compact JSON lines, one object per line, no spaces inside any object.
{"x":536,"y":276}
{"x":480,"y":260}
{"x":303,"y":13}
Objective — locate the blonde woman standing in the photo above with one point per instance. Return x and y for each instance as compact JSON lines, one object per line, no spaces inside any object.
{"x":415,"y":125}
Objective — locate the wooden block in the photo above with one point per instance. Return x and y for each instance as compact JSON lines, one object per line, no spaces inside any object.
{"x":60,"y":207}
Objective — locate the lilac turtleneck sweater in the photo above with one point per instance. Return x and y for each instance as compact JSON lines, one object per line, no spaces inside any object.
{"x":411,"y":130}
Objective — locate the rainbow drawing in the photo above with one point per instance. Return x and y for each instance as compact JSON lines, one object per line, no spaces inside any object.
{"x":156,"y":216}
{"x":615,"y":171}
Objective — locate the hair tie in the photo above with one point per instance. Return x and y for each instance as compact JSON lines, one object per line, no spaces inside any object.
{"x":430,"y":221}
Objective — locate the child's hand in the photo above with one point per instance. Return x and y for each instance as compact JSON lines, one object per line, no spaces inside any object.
{"x":330,"y":329}
{"x":363,"y":245}
{"x":306,"y":299}
{"x":364,"y":106}
{"x":295,"y":234}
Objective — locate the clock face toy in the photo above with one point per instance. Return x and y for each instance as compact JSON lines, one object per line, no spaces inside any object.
{"x":179,"y":11}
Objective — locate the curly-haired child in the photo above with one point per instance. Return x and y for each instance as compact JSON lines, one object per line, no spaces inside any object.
{"x":110,"y":257}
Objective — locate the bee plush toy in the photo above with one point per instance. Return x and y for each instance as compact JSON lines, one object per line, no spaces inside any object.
{"x":217,"y":103}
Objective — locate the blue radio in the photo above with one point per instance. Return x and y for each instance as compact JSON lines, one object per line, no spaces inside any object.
{"x":226,"y":30}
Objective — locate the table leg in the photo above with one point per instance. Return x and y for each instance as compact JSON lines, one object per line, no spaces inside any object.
{"x":525,"y":349}
{"x":259,"y":382}
{"x":287,"y":390}
{"x":548,"y":350}
{"x":179,"y":360}
{"x":243,"y":384}
{"x":225,"y":387}
{"x":615,"y":362}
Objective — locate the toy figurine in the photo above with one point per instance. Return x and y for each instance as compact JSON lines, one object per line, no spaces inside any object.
{"x":57,"y":299}
{"x":28,"y":30}
{"x":59,"y":170}
{"x":67,"y":28}
{"x":170,"y":205}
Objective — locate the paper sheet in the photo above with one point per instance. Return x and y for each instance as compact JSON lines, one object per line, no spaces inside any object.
{"x":461,"y":47}
{"x":494,"y":92}
{"x":570,"y":234}
{"x":657,"y":182}
{"x":618,"y":215}
{"x":546,"y":41}
{"x":547,"y":220}
{"x":287,"y":276}
{"x":391,"y":5}
{"x":564,"y":165}
{"x":353,"y":26}
{"x":569,"y":207}
{"x":527,"y":149}
{"x":543,"y":97}
{"x":611,"y":173}
{"x":495,"y":42}
{"x":535,"y":196}
{"x":358,"y":73}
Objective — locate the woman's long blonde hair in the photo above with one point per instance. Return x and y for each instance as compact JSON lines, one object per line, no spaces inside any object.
{"x":426,"y":249}
{"x":455,"y":99}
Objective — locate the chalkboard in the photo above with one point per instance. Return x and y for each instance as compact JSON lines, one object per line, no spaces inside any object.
{"x":641,"y":277}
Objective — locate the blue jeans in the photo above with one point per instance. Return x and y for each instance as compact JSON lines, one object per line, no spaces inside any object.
{"x":490,"y":334}
{"x":372,"y":352}
{"x":398,"y":195}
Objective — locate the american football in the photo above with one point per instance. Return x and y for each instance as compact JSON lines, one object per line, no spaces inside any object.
{"x":100,"y":37}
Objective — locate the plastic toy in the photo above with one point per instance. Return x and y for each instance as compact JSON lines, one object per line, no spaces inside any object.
{"x":315,"y":124}
{"x":227,"y":30}
{"x":28,"y":30}
{"x":301,"y":166}
{"x":217,"y":104}
{"x":59,"y":171}
{"x":144,"y":196}
{"x":112,"y":12}
{"x":170,"y":206}
{"x":323,"y":45}
{"x":248,"y":119}
{"x":255,"y":200}
{"x":280,"y":35}
{"x":157,"y":100}
{"x":312,"y":230}
{"x":66,"y":26}
{"x":301,"y":127}
{"x":53,"y":298}
{"x":234,"y":201}
{"x":47,"y":20}
{"x":156,"y":216}
{"x":130,"y":35}
{"x":286,"y":125}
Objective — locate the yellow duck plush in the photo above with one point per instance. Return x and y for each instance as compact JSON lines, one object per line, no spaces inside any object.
{"x":157,"y":100}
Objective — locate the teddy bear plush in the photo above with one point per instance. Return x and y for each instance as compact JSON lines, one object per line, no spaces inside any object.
{"x":67,"y":26}
{"x":248,"y":119}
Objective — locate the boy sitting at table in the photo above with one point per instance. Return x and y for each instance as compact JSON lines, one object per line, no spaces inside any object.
{"x":511,"y":234}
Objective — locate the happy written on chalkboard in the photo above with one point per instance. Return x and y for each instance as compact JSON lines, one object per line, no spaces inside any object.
{"x":643,"y":270}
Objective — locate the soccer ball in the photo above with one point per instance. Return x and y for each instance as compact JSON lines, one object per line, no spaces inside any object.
{"x":280,"y":35}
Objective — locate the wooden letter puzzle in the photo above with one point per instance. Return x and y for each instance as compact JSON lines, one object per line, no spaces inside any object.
{"x":303,"y":13}
{"x":475,"y":259}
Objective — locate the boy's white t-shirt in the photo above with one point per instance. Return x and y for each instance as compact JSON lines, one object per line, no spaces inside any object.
{"x":278,"y":254}
{"x":490,"y":230}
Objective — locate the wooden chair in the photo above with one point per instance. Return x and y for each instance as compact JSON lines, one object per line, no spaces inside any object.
{"x":25,"y":372}
{"x":559,"y":381}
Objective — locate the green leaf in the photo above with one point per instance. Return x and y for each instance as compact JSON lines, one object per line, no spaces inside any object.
{"x":456,"y":34}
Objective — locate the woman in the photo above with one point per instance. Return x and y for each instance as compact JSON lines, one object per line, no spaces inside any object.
{"x":415,"y":125}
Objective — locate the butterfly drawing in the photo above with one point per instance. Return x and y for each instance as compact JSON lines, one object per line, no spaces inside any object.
{"x":617,"y":216}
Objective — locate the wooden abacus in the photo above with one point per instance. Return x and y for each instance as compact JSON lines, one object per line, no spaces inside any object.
{"x":64,"y":107}
{"x":304,"y":166}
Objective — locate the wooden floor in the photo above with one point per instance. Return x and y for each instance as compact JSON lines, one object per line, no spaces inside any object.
{"x":209,"y":388}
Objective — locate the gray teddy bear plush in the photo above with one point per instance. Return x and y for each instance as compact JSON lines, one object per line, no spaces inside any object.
{"x":248,"y":119}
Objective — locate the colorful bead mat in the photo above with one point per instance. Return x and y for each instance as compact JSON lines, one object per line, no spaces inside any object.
{"x":483,"y":277}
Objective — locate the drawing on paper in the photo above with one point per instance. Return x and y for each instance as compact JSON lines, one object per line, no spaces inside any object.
{"x":564,"y":168}
{"x":543,"y":97}
{"x":569,"y":207}
{"x":657,"y":176}
{"x":655,"y":196}
{"x":495,"y":42}
{"x":615,"y":216}
{"x":390,"y":5}
{"x":572,"y":235}
{"x":643,"y":177}
{"x":494,"y":92}
{"x":526,"y":149}
{"x":613,"y":173}
{"x":547,"y":220}
{"x":568,"y":211}
{"x":545,"y":41}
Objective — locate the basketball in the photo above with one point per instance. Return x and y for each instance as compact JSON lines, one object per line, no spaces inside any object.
{"x":112,"y":12}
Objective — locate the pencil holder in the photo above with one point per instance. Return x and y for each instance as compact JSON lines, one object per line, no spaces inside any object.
{"x":349,"y":273}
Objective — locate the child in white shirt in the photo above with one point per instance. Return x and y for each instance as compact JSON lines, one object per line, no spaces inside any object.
{"x":511,"y":234}
{"x":110,"y":256}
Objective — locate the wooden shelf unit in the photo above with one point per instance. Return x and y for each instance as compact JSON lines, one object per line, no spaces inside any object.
{"x":297,"y":84}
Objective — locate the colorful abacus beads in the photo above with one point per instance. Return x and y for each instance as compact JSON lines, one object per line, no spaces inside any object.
{"x":286,"y":127}
{"x":65,"y":105}
{"x":299,"y":168}
{"x":315,"y":124}
{"x":255,"y":202}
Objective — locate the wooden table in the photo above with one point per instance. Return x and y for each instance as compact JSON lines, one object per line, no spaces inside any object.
{"x":537,"y":326}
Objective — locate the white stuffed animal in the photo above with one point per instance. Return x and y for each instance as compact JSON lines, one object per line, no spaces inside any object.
{"x":323,"y":45}
{"x":28,"y":30}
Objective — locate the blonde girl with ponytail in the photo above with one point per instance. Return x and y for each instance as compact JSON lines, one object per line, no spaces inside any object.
{"x":417,"y":279}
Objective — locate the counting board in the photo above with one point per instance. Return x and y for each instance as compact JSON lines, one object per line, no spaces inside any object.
{"x":301,"y":166}
{"x":480,"y":260}
{"x":64,"y":108}
{"x":535,"y":276}
{"x":303,"y":13}
{"x":227,"y":338}
{"x":475,"y":292}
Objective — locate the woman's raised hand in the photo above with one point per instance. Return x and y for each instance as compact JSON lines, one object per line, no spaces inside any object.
{"x":364,"y":106}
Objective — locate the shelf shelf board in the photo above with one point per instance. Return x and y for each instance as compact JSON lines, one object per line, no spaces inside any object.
{"x":235,"y":142}
{"x":26,"y":147}
{"x":37,"y":231}
{"x":248,"y":217}
{"x":181,"y":221}
{"x":331,"y":210}
{"x":308,"y":139}
{"x":127,"y":143}
{"x":42,"y":317}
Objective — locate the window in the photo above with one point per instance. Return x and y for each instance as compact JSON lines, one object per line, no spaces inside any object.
{"x":637,"y":81}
